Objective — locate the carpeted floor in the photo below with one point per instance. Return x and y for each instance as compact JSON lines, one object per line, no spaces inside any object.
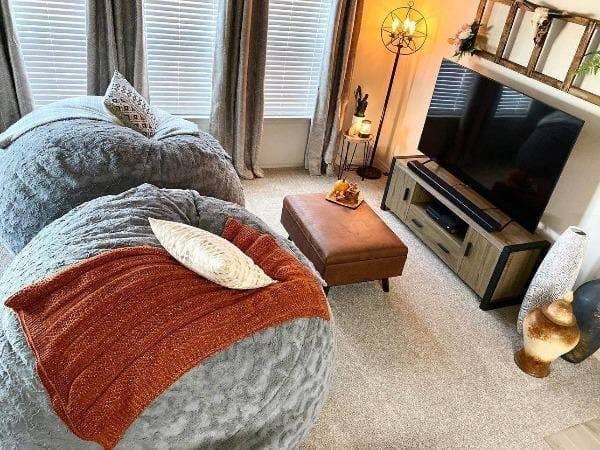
{"x":423,"y":366}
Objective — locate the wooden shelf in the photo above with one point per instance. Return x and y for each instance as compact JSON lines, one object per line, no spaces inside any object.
{"x":448,"y":236}
{"x":588,"y":29}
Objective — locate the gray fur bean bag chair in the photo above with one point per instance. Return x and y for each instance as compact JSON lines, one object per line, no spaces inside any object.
{"x":72,"y":151}
{"x":262,"y":392}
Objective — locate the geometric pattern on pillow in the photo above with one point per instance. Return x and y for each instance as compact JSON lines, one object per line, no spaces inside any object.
{"x":209,"y":255}
{"x":129,"y":106}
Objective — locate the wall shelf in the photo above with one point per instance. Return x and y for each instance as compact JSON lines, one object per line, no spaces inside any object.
{"x":511,"y":41}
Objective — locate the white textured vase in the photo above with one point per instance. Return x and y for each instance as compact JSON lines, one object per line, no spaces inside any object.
{"x":557,"y":274}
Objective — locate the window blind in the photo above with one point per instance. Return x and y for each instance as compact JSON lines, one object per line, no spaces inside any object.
{"x":452,"y":90}
{"x":512,"y":103}
{"x":180,"y":40}
{"x":52,"y":34}
{"x":295,"y":43}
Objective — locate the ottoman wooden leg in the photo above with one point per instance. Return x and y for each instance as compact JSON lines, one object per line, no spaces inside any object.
{"x":326,"y":289}
{"x":385,"y":284}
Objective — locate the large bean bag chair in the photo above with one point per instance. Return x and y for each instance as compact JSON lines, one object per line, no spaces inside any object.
{"x":262,"y":392}
{"x":72,"y":151}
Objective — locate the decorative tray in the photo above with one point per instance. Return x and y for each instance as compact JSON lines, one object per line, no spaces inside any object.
{"x":332,"y":199}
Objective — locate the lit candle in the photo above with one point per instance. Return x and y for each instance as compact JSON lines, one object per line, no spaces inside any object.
{"x":365,"y":129}
{"x":395,"y":25}
{"x":409,"y":27}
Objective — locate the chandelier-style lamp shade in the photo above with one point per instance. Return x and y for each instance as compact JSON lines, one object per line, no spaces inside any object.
{"x":403,"y":32}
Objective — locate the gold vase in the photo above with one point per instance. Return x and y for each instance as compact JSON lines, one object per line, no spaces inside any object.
{"x":548,"y":332}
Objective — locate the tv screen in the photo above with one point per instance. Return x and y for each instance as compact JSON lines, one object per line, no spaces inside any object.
{"x":509,"y":147}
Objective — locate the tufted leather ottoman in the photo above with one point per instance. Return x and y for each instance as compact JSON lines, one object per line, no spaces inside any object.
{"x":345,"y":245}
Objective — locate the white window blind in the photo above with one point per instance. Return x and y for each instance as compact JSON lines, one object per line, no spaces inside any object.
{"x":53,"y":40}
{"x":452,"y":90}
{"x":295,"y":43}
{"x":180,"y":40}
{"x":512,"y":103}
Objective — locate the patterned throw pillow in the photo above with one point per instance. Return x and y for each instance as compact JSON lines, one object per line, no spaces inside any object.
{"x":209,"y":255}
{"x":129,"y":106}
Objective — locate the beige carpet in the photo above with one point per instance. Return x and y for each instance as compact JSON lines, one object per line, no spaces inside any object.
{"x":423,"y":366}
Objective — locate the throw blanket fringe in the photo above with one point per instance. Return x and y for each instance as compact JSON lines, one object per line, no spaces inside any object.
{"x":111,"y":333}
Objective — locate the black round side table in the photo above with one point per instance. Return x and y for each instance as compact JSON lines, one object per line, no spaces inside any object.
{"x":350,"y":144}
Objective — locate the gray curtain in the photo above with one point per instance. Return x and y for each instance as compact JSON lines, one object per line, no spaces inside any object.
{"x":236,"y":118}
{"x":115,"y":40}
{"x":15,"y":95}
{"x":334,"y":86}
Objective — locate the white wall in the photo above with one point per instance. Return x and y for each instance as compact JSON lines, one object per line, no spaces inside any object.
{"x":284,"y":141}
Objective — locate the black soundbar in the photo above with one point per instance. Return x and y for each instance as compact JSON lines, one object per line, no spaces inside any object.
{"x":466,"y":205}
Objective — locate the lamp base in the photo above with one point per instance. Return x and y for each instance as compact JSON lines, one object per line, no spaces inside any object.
{"x":370,"y":173}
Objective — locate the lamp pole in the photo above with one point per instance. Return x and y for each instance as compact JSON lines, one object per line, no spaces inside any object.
{"x":403,"y":31}
{"x":370,"y":172}
{"x":385,"y":103}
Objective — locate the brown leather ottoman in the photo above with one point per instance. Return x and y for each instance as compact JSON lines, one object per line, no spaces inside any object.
{"x":345,"y":245}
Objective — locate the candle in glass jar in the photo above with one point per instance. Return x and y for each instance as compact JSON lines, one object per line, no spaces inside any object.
{"x":365,"y":129}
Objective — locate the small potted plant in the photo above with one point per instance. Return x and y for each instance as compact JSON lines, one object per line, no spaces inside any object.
{"x":359,"y":112}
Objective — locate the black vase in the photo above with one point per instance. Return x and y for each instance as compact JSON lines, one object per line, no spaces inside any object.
{"x":586,"y":307}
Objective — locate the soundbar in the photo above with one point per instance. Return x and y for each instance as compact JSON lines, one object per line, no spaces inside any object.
{"x":467,"y":206}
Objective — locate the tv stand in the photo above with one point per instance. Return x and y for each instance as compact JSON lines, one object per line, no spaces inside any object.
{"x":495,"y":256}
{"x":471,"y":209}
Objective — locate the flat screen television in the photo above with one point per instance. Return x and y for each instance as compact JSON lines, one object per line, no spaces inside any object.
{"x":508,"y":147}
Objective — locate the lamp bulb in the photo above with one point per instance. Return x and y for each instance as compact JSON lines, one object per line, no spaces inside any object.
{"x":409,"y":27}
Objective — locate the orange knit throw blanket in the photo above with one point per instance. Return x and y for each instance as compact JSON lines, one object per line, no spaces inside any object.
{"x":113,"y":332}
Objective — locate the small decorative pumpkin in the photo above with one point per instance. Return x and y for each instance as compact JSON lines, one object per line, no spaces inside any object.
{"x":549,"y":331}
{"x":340,"y":186}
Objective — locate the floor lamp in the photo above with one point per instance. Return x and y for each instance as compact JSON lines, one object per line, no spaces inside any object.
{"x":403,"y":32}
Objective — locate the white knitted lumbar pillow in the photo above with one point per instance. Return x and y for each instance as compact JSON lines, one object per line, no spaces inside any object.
{"x":209,"y":255}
